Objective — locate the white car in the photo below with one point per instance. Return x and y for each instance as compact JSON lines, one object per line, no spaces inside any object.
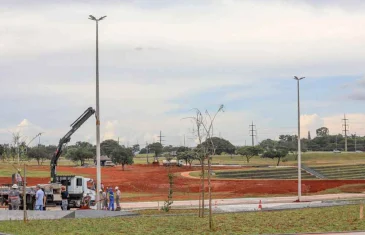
{"x":358,"y":151}
{"x":336,"y":151}
{"x":109,"y":164}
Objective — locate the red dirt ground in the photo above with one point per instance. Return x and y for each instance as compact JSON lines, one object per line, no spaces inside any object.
{"x":146,"y":183}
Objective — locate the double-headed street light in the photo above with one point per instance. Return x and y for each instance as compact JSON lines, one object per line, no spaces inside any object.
{"x":299,"y":148}
{"x":98,"y":170}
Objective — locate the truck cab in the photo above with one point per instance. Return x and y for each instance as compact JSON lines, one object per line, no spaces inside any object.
{"x":77,"y":189}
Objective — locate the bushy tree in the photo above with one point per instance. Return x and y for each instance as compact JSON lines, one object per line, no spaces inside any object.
{"x":249,"y":152}
{"x":108,"y":146}
{"x":143,"y":151}
{"x":221,"y":145}
{"x":322,"y":132}
{"x":187,"y":156}
{"x":81,"y":151}
{"x":39,"y":153}
{"x":275,"y":153}
{"x":268,"y":144}
{"x":182,"y":149}
{"x":2,"y":152}
{"x":136,"y":148}
{"x":123,"y":156}
{"x":155,"y":148}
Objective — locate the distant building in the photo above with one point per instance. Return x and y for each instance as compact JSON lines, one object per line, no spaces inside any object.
{"x":103,"y":159}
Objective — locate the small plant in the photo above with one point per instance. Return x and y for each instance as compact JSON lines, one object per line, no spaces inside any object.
{"x":167,"y":204}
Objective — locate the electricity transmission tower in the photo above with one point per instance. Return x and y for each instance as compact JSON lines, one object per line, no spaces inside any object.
{"x":253,"y":133}
{"x":346,"y":129}
{"x":160,"y":136}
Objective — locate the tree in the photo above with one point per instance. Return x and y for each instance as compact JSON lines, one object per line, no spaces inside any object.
{"x":182,"y":149}
{"x":80,"y":152}
{"x":168,"y":148}
{"x":268,"y":144}
{"x":275,"y":153}
{"x":322,"y":132}
{"x":108,"y":146}
{"x":136,"y":148}
{"x":187,"y":156}
{"x":51,"y":149}
{"x":143,"y":151}
{"x":221,"y":145}
{"x":39,"y":153}
{"x":249,"y":152}
{"x":2,"y":152}
{"x":309,"y":135}
{"x":204,"y":132}
{"x":123,"y":156}
{"x":155,"y":148}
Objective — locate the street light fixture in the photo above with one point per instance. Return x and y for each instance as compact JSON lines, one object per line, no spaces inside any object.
{"x":299,"y":148}
{"x":97,"y":114}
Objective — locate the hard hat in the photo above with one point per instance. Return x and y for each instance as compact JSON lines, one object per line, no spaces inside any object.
{"x":116,"y":188}
{"x":19,"y":170}
{"x":100,"y":190}
{"x":15,"y":186}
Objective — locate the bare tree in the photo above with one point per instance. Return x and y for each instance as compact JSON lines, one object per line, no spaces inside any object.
{"x":205,"y":150}
{"x":16,"y":143}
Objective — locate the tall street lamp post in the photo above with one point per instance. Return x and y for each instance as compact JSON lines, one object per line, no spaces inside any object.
{"x":299,"y":148}
{"x":98,"y":170}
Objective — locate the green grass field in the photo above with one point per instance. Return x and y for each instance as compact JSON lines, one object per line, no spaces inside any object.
{"x":6,"y":170}
{"x":308,"y":158}
{"x":332,"y":219}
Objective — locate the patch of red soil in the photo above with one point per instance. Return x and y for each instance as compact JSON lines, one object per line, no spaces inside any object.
{"x":153,"y":181}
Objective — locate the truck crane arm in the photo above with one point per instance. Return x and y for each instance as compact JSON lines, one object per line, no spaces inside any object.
{"x":64,"y":140}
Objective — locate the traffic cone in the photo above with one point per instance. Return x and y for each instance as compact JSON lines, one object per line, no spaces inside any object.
{"x":260,"y":205}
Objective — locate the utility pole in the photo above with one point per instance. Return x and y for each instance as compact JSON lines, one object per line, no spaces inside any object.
{"x":346,"y":129}
{"x":299,"y":146}
{"x":160,"y":136}
{"x":252,"y":133}
{"x":184,"y":140}
{"x":118,"y":140}
{"x":355,"y":143}
{"x":97,"y":115}
{"x":147,"y":152}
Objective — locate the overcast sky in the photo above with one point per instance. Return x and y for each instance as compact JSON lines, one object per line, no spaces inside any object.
{"x":160,"y":59}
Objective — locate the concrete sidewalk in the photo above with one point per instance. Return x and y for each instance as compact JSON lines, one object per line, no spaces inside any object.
{"x":334,"y":233}
{"x":240,"y":201}
{"x":51,"y":215}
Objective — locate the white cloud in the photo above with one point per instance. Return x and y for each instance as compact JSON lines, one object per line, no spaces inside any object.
{"x":310,"y":123}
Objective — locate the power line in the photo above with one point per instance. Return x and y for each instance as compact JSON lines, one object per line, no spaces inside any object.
{"x":346,"y":126}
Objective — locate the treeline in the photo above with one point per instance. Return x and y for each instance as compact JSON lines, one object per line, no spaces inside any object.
{"x":82,"y":151}
{"x":79,"y":152}
{"x":322,"y":142}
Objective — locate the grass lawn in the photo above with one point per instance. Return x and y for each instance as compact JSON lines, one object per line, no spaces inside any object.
{"x":6,"y":170}
{"x":345,"y":218}
{"x":308,"y":158}
{"x":171,"y":212}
